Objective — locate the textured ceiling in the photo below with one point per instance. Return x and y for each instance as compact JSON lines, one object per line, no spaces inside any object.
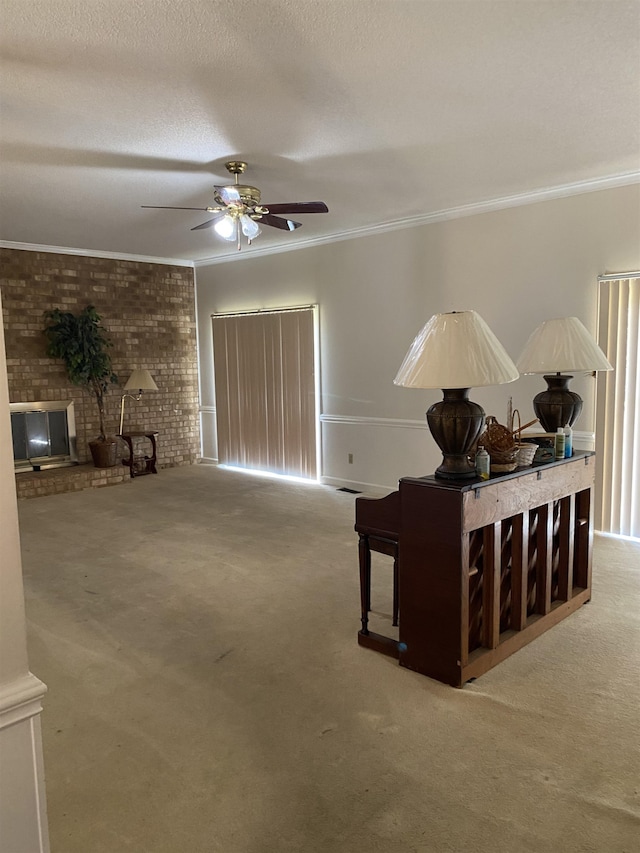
{"x":387,"y":110}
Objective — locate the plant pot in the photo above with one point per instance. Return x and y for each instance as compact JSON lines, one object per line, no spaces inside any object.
{"x":104,"y":453}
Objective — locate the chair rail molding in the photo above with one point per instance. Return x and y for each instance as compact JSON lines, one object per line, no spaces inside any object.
{"x":401,"y":423}
{"x":585,"y":438}
{"x":21,"y":699}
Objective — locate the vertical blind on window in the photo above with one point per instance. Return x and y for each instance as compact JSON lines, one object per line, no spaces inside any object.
{"x":618,"y":408}
{"x":265,"y":390}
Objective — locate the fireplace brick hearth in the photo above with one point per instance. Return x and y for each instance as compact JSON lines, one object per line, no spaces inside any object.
{"x":55,"y":481}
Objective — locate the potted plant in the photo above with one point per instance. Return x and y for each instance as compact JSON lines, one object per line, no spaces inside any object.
{"x":81,"y":342}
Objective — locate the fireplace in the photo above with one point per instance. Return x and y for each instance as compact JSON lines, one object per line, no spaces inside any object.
{"x":44,"y":435}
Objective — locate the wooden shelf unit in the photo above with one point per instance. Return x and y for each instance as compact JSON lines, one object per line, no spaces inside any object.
{"x":484,"y":567}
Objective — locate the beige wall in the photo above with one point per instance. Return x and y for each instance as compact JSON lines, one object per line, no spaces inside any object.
{"x":516,"y":267}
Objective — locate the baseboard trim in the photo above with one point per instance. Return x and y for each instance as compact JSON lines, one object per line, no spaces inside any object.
{"x":21,"y":699}
{"x":352,"y":484}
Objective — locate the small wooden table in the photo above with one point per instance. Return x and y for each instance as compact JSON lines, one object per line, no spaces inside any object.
{"x":140,"y":465}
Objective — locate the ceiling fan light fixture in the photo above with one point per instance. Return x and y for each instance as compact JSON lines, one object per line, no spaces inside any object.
{"x":250,"y":227}
{"x":226,"y":228}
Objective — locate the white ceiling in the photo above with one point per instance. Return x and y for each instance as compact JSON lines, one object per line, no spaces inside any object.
{"x":387,"y":110}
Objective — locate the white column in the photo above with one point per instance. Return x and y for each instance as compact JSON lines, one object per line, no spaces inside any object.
{"x":23,"y":816}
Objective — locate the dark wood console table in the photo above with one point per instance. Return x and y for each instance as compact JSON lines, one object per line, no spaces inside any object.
{"x":140,"y":464}
{"x":484,"y":566}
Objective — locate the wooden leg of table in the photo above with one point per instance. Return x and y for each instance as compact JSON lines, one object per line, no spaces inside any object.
{"x":151,"y":463}
{"x":364,"y":552}
{"x":129,"y":462}
{"x":396,"y":606}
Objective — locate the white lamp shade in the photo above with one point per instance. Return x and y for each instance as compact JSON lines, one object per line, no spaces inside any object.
{"x":142,"y":380}
{"x":456,"y":350}
{"x":562,"y":345}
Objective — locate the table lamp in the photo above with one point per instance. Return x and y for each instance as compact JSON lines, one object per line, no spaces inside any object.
{"x":143,"y":381}
{"x":555,"y":348}
{"x":455,"y":352}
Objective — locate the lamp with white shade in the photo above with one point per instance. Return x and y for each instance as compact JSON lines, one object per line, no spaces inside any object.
{"x":558,"y":347}
{"x":140,"y":380}
{"x":455,"y":352}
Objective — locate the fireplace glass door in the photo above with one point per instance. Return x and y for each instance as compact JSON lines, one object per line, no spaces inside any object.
{"x":42,"y":437}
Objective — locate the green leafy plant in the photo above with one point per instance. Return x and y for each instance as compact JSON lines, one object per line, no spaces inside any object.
{"x":82,"y":344}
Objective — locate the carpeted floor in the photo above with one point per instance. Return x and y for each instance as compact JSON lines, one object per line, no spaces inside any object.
{"x":197,"y":632}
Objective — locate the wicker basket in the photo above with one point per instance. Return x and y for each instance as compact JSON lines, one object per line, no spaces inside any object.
{"x":499,"y":444}
{"x":526,"y":452}
{"x":503,"y":463}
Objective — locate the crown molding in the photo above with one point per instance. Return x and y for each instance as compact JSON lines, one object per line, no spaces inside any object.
{"x":474,"y":209}
{"x":95,"y":253}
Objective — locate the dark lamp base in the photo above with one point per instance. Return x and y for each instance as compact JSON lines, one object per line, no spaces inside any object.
{"x":455,"y":423}
{"x":558,"y":405}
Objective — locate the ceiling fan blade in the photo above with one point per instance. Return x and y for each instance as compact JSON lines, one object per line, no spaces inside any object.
{"x":298,"y":207}
{"x":209,"y":222}
{"x":279,"y":222}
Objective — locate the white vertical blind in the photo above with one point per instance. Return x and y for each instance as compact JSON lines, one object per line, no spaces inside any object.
{"x":265,"y":390}
{"x":618,"y":408}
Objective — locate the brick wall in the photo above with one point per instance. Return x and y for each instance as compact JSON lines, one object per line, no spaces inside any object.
{"x":149,"y":312}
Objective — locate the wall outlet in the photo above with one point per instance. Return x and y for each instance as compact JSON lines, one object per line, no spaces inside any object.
{"x":351,"y":459}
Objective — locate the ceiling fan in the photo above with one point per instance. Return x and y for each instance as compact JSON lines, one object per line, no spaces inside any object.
{"x":240,"y":210}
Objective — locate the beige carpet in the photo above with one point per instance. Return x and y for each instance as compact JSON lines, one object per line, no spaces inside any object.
{"x":197,"y":631}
